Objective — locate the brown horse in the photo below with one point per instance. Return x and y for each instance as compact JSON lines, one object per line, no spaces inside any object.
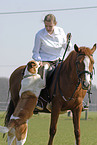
{"x":75,"y":77}
{"x":71,"y":80}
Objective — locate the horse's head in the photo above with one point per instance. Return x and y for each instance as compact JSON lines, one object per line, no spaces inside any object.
{"x":84,"y":64}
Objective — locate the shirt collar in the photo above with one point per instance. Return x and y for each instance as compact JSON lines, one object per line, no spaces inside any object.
{"x":55,"y":31}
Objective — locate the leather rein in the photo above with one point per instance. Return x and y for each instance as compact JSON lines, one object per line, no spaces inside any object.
{"x":79,"y":80}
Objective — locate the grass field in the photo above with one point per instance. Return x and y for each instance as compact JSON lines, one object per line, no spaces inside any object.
{"x":38,"y":132}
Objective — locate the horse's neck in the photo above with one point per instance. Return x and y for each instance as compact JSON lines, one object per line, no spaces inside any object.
{"x":69,"y":67}
{"x":70,"y":61}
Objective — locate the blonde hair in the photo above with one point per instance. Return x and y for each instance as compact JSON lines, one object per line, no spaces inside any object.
{"x":49,"y":18}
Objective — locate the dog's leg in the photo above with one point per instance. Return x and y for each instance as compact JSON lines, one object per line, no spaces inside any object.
{"x":21,"y":134}
{"x":22,"y":113}
{"x":11,"y":136}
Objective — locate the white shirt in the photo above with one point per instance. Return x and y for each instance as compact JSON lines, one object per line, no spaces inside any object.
{"x":49,"y":47}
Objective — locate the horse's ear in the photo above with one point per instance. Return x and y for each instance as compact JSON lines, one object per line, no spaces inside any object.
{"x":94,"y":48}
{"x":77,"y":49}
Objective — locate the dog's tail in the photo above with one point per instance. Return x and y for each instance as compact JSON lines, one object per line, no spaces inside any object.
{"x":4,"y":129}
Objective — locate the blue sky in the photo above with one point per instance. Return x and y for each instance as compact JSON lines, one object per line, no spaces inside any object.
{"x":17,"y":31}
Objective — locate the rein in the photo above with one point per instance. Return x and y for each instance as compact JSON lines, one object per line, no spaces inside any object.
{"x":70,"y":98}
{"x":79,"y":79}
{"x":61,"y":63}
{"x":67,"y":46}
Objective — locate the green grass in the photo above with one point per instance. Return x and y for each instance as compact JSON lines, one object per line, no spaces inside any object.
{"x":38,"y":132}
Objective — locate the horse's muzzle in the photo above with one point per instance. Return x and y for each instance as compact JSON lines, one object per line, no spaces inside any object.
{"x":85,"y":85}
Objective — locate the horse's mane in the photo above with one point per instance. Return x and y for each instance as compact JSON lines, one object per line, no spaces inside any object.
{"x":70,"y":55}
{"x":70,"y":59}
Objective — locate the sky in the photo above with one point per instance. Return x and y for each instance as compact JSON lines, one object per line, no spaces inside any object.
{"x":17,"y":31}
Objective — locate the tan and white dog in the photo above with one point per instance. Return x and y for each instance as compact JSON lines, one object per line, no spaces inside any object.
{"x":31,"y":85}
{"x":32,"y":81}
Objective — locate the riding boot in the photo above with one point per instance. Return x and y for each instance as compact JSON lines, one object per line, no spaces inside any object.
{"x":39,"y":103}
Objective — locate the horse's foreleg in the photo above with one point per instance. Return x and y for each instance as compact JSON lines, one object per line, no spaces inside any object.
{"x":54,"y":118}
{"x":76,"y":122}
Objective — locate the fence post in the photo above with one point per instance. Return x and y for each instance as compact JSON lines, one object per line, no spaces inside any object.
{"x":86,"y":115}
{"x":86,"y":112}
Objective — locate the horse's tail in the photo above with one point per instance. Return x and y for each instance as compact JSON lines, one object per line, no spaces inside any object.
{"x":9,"y":112}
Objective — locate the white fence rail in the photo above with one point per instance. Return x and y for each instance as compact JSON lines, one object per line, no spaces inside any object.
{"x":4,"y":105}
{"x":92,"y":107}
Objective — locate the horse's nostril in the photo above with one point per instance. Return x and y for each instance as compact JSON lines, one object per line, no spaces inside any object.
{"x":85,"y":84}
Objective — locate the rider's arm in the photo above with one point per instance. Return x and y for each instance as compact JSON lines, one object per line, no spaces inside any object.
{"x":65,"y":40}
{"x":37,"y":45}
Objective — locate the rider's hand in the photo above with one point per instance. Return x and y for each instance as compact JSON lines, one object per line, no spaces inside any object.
{"x":69,"y":36}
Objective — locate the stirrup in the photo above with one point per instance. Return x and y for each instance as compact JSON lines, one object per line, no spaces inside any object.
{"x":49,"y":106}
{"x":39,"y":105}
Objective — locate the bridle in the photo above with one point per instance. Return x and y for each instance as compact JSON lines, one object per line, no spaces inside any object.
{"x":79,"y":79}
{"x":82,"y":72}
